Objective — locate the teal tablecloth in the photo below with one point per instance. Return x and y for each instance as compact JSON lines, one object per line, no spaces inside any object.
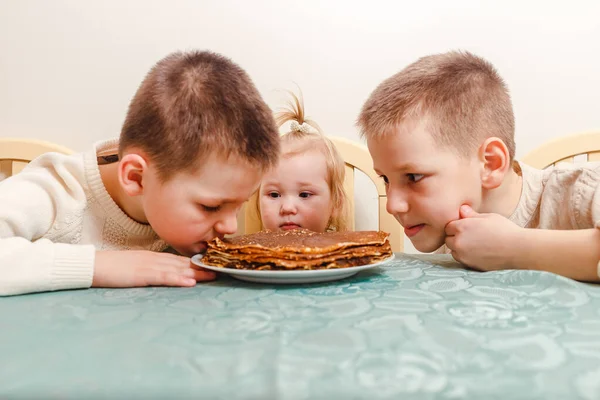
{"x":413,"y":329}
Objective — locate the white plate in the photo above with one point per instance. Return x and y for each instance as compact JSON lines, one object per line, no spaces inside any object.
{"x":296,"y":276}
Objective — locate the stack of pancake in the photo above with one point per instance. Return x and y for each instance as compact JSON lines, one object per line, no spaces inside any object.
{"x":298,"y":249}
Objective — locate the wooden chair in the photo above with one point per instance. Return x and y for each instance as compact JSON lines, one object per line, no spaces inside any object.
{"x":356,"y":156}
{"x":16,"y":153}
{"x":565,"y":149}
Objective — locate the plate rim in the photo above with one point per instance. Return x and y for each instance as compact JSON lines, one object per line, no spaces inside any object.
{"x":195,"y":259}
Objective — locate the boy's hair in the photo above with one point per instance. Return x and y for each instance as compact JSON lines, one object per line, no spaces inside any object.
{"x":195,"y":103}
{"x":462,"y":97}
{"x":300,"y":140}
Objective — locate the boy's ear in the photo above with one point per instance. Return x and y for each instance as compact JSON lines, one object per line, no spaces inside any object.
{"x":495,"y":161}
{"x":131,"y":173}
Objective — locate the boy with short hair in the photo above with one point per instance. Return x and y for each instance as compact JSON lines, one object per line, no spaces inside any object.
{"x":441,"y":134}
{"x":193,"y":148}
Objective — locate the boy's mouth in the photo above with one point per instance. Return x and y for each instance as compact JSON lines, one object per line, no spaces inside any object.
{"x":200,"y":247}
{"x":411,"y":231}
{"x":191,"y":250}
{"x":289,"y":226}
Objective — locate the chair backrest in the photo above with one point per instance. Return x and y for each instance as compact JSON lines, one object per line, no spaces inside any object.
{"x":356,"y":156}
{"x":16,"y":153}
{"x":565,"y":149}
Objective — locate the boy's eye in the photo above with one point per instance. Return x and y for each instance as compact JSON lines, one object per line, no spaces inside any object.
{"x":210,"y":209}
{"x":273,"y":195}
{"x":414,"y":177}
{"x":385,"y":179}
{"x":305,"y":194}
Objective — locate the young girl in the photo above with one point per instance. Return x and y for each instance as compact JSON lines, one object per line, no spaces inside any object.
{"x":306,"y":189}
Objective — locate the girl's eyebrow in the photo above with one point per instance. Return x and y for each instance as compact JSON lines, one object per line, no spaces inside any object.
{"x":306,"y":184}
{"x":269,"y":184}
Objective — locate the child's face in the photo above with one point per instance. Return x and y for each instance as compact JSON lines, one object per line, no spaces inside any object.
{"x":296,"y":194}
{"x":193,"y":207}
{"x":426,"y":183}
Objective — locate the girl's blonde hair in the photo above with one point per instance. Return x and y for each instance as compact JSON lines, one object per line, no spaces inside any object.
{"x":300,"y":139}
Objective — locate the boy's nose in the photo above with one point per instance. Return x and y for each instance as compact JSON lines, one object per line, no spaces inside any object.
{"x":228,"y":225}
{"x":397,"y":203}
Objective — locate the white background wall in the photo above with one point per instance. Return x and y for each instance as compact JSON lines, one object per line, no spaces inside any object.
{"x":68,"y":68}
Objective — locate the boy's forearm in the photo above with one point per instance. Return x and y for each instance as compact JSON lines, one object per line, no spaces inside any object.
{"x":571,"y":253}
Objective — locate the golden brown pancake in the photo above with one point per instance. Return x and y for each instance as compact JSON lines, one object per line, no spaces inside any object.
{"x":298,"y":249}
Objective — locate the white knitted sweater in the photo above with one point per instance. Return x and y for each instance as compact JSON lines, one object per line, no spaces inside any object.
{"x":54,"y":215}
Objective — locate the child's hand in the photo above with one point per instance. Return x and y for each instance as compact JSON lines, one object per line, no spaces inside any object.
{"x":134,"y":268}
{"x":483,"y":241}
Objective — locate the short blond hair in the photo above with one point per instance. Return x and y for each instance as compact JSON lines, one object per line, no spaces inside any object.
{"x":195,"y":103}
{"x":298,"y":141}
{"x":463,"y":96}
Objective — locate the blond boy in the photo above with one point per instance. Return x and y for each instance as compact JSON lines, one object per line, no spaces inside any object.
{"x":441,"y":134}
{"x":194,"y":145}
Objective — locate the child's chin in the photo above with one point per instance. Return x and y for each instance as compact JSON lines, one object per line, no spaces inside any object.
{"x":427,"y":246}
{"x":189,"y":251}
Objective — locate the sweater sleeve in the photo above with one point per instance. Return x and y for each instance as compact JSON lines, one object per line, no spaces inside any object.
{"x":33,"y":204}
{"x":40,"y":266}
{"x":597,"y":226}
{"x":590,"y":194}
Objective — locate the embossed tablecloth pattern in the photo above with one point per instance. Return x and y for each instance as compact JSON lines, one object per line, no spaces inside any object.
{"x":417,"y":328}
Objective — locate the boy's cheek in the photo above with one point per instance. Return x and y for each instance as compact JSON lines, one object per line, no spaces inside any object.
{"x":440,"y":217}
